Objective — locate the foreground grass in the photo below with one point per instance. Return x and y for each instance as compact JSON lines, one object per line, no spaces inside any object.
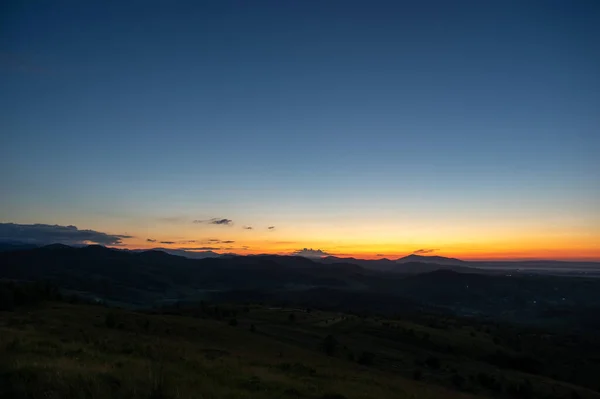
{"x":80,"y":351}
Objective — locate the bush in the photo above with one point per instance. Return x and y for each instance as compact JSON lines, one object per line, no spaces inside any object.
{"x":330,"y":345}
{"x":366,"y":358}
{"x":489,"y":381}
{"x":110,"y":320}
{"x":233,"y":322}
{"x":417,"y":375}
{"x":458,"y":381}
{"x":521,"y":390}
{"x":433,"y":362}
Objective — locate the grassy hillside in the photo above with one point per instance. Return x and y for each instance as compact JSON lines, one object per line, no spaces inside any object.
{"x":62,"y":350}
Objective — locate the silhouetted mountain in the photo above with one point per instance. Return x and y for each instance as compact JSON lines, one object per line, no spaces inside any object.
{"x":376,"y":264}
{"x":15,"y":246}
{"x":188,"y":254}
{"x":426,"y":267}
{"x":149,"y":277}
{"x":440,"y":260}
{"x":153,"y":274}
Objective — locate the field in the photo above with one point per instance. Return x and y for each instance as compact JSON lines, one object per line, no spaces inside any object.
{"x":65,"y":350}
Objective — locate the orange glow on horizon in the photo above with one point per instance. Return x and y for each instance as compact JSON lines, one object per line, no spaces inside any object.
{"x":478,"y":252}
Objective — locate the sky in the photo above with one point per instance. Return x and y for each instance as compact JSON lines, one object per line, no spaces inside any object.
{"x":355,"y":128}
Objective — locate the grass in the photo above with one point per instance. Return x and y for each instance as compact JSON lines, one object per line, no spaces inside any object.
{"x":60,"y":350}
{"x":67,"y":351}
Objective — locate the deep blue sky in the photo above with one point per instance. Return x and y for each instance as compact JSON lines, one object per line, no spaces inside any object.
{"x":340,"y":115}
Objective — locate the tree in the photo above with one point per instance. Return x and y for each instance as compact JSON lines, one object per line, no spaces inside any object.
{"x":292,"y":317}
{"x":366,"y":358}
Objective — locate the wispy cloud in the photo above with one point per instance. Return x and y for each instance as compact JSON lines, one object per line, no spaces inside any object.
{"x":219,"y":241}
{"x":310,"y":253}
{"x":247,"y":228}
{"x":424,"y":251}
{"x":167,"y":242}
{"x":218,"y":221}
{"x":150,"y":240}
{"x":271,"y":228}
{"x":42,"y":234}
{"x":200,"y":248}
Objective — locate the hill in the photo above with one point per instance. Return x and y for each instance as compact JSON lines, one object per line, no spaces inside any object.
{"x":150,"y":278}
{"x":218,"y":350}
{"x":440,"y":260}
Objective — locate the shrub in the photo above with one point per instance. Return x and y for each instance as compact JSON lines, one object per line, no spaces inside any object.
{"x":433,"y":362}
{"x":110,"y":320}
{"x":366,"y":358}
{"x":330,"y":345}
{"x":458,"y":381}
{"x":417,"y":375}
{"x":233,"y":322}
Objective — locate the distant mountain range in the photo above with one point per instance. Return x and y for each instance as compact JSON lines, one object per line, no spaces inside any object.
{"x":409,"y":284}
{"x":184,"y":253}
{"x":409,"y":264}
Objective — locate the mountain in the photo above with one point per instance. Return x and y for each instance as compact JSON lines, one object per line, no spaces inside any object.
{"x":148,"y":276}
{"x":426,"y":267}
{"x":188,"y":254}
{"x":15,"y":246}
{"x":440,"y":260}
{"x":376,"y":264}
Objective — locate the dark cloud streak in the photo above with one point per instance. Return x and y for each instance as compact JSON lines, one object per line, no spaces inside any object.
{"x":217,"y":221}
{"x":43,"y":234}
{"x":424,"y":251}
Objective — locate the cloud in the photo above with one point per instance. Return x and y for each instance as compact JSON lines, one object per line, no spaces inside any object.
{"x":225,"y":222}
{"x":200,"y":248}
{"x":167,"y":242}
{"x":42,"y":234}
{"x":218,"y":241}
{"x":380,"y":255}
{"x":247,"y":228}
{"x":271,"y":228}
{"x":310,"y":253}
{"x":424,"y":251}
{"x":150,"y":240}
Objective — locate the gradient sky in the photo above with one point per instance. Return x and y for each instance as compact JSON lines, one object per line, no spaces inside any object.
{"x":362,"y":128}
